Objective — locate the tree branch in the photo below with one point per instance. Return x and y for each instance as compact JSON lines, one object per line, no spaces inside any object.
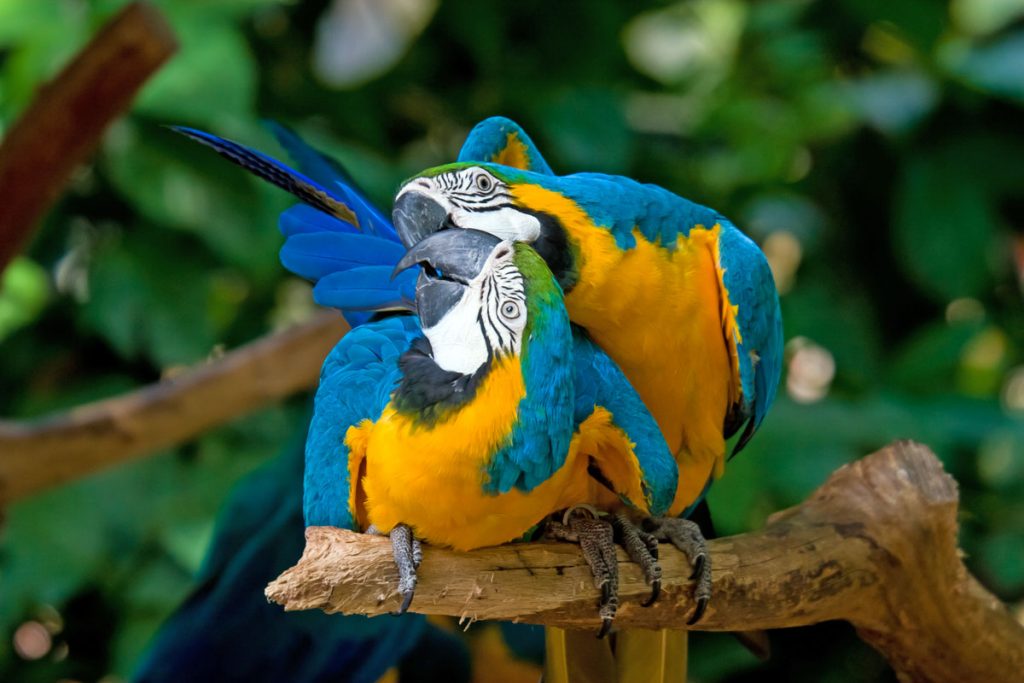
{"x":875,"y":546}
{"x":42,"y":453}
{"x":65,"y":121}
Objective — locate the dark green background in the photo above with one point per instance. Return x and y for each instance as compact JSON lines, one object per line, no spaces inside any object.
{"x":883,"y":138}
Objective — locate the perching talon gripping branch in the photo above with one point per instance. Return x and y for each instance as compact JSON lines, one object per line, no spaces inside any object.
{"x":875,"y":546}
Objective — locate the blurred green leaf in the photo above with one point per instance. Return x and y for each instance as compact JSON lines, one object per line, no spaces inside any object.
{"x":945,"y":224}
{"x":212,"y":79}
{"x":146,"y":305}
{"x":929,"y":360}
{"x":24,"y":290}
{"x":994,"y":68}
{"x":176,"y":183}
{"x":1003,"y":555}
{"x":588,"y":129}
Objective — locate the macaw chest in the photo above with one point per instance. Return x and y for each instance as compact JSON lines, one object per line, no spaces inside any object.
{"x":662,"y":315}
{"x":434,"y":477}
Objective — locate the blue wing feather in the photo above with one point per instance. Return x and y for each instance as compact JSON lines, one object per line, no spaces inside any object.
{"x":331,"y":174}
{"x":751,"y":288}
{"x":600,"y":382}
{"x":356,"y":382}
{"x":274,"y":172}
{"x":367,"y":289}
{"x":315,"y":255}
{"x":337,"y":238}
{"x":302,"y":219}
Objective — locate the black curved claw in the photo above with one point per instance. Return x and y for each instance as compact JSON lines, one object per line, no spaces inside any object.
{"x":407,"y":553}
{"x":655,"y":592}
{"x":698,"y":566}
{"x":406,"y":601}
{"x":702,"y":604}
{"x":606,"y":626}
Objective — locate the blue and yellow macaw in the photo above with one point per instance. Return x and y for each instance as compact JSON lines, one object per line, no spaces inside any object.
{"x":671,"y":290}
{"x":479,"y":431}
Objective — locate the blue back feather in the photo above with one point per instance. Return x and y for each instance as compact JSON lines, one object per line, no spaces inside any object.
{"x":600,"y":383}
{"x":356,"y":382}
{"x":490,"y":137}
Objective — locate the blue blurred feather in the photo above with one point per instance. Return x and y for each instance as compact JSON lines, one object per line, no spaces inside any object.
{"x":319,"y":254}
{"x":367,"y":288}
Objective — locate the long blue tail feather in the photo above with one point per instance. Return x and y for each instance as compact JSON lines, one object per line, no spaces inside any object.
{"x":331,"y":174}
{"x":276,"y":173}
{"x":336,"y":238}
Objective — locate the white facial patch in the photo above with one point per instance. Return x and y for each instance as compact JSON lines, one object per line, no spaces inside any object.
{"x":476,"y":199}
{"x":489,"y":318}
{"x":507,"y":223}
{"x":456,"y":341}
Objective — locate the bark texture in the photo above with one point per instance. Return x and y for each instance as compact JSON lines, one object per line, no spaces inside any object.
{"x":876,"y":545}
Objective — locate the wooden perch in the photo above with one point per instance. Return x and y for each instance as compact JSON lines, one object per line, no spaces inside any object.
{"x":875,"y":545}
{"x":42,"y":453}
{"x":66,"y":120}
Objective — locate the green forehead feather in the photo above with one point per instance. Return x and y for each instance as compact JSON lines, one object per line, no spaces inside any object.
{"x":505,"y":173}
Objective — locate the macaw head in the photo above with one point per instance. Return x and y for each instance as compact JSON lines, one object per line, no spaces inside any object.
{"x":488,"y":197}
{"x":480,"y":297}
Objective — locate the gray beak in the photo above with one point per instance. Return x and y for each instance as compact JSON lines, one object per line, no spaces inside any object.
{"x":457,"y":255}
{"x":450,"y":260}
{"x":417,"y":216}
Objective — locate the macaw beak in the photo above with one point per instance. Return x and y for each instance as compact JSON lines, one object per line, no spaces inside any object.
{"x":450,"y":260}
{"x":416,"y":216}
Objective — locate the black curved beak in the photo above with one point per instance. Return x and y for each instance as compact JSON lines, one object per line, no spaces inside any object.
{"x":416,"y":216}
{"x":450,"y":260}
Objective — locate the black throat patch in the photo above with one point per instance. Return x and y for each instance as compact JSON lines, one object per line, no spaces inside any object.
{"x":427,"y":391}
{"x":554,"y":247}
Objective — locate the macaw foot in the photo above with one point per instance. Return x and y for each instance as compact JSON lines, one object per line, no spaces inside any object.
{"x":408,"y":554}
{"x":685,"y":535}
{"x":596,"y":537}
{"x":642,"y":548}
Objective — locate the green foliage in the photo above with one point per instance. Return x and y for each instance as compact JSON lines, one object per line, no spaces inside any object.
{"x":873,"y":147}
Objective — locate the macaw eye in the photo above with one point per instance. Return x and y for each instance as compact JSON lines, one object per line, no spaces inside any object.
{"x":510,"y":310}
{"x":484,"y":183}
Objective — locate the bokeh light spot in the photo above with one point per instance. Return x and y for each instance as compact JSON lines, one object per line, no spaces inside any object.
{"x":811,"y":370}
{"x":32,"y":640}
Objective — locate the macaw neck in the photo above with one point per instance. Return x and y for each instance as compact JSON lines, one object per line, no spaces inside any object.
{"x":539,"y":442}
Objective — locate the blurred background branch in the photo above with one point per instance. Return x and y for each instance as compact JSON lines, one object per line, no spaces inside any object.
{"x":65,"y":121}
{"x":52,"y":450}
{"x":876,"y":545}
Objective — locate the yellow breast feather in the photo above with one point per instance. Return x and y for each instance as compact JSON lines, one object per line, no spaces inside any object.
{"x":648,"y":308}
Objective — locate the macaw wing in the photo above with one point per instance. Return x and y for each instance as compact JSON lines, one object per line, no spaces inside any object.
{"x":356,"y":382}
{"x":499,"y":140}
{"x":336,"y":238}
{"x":758,"y":339}
{"x":600,"y":384}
